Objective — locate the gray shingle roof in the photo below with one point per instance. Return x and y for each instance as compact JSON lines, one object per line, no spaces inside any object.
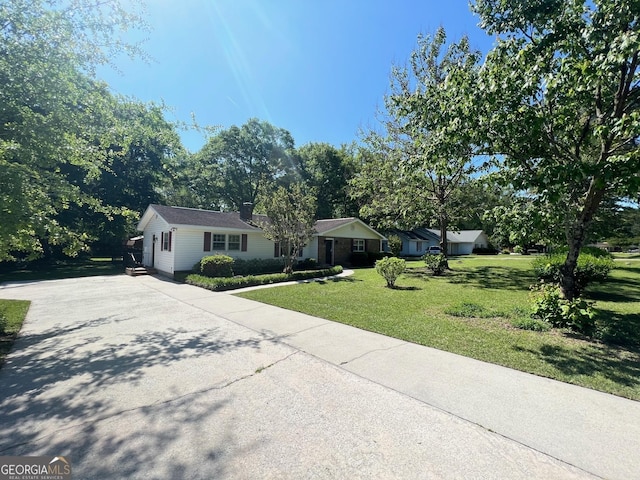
{"x":205,"y":218}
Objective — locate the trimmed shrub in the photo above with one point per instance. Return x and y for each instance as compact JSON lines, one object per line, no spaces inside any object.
{"x":257,"y":266}
{"x":373,"y":257}
{"x":390,"y":268}
{"x":360,"y":259}
{"x":307,"y":264}
{"x":226,"y":283}
{"x":591,"y":268}
{"x":217,"y":266}
{"x":437,"y":264}
{"x":485,"y":251}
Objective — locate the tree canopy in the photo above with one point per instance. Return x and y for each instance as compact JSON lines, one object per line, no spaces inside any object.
{"x":61,"y":131}
{"x":561,"y":97}
{"x":426,"y":150}
{"x":291,"y":220}
{"x":237,"y":162}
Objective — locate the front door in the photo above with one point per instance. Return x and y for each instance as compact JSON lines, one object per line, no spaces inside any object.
{"x":153,"y":251}
{"x":328,"y":249}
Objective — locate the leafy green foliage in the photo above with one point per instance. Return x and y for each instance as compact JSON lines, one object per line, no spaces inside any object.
{"x":222,"y":283}
{"x":327,"y":170}
{"x":217,"y":266}
{"x":592,"y":266}
{"x":291,"y":220}
{"x":390,"y":269}
{"x":236,"y":163}
{"x":411,"y":173}
{"x":257,"y":266}
{"x":436,"y":264}
{"x":395,"y":244}
{"x":72,"y":155}
{"x":548,"y":305}
{"x":559,"y":94}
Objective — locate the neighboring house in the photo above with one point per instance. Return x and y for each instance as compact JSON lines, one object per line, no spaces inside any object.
{"x":416,"y":242}
{"x":176,"y":238}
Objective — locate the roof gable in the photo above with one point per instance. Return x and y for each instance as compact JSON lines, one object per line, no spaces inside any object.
{"x":327,"y":226}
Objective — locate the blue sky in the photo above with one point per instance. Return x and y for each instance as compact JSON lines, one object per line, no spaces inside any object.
{"x":318,"y":68}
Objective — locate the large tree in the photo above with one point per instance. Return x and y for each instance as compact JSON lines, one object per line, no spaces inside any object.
{"x":562,"y":93}
{"x":426,"y":150}
{"x":236,"y":163}
{"x":49,"y":111}
{"x":328,"y":170}
{"x":133,"y":175}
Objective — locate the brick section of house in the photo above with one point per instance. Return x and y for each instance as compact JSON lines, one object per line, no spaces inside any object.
{"x":342,"y":250}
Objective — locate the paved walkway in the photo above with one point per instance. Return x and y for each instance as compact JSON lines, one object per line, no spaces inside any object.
{"x":145,"y":378}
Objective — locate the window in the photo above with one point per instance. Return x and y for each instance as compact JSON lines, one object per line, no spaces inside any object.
{"x":166,"y":241}
{"x":358,"y":245}
{"x":219,"y":241}
{"x":418,"y":246}
{"x":280,"y":251}
{"x":234,"y":242}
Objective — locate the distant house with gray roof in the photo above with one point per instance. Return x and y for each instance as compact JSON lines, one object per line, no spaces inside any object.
{"x":416,"y":242}
{"x":175,"y":238}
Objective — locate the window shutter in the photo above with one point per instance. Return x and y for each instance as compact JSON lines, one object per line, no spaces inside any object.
{"x":207,"y":241}
{"x":169,"y":241}
{"x":161,"y":241}
{"x":244,"y":242}
{"x":276,"y":249}
{"x":353,"y":245}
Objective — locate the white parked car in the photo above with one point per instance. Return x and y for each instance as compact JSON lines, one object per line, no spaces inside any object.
{"x":433,"y":250}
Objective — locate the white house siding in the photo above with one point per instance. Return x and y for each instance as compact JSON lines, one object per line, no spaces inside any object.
{"x":162,"y":260}
{"x":191,"y":248}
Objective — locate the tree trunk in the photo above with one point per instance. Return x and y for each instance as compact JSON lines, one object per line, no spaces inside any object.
{"x":444,"y":224}
{"x":575,"y":240}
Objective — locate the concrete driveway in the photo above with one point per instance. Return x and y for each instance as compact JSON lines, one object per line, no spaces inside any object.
{"x":143,"y":378}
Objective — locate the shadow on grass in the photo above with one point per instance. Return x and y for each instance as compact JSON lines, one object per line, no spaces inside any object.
{"x":61,"y":270}
{"x":408,"y":289}
{"x":615,"y":290}
{"x":619,"y":328}
{"x":619,"y":366}
{"x":333,"y":280}
{"x":494,"y":277}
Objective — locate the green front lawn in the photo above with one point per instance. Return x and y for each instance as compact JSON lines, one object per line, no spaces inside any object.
{"x":54,"y":270}
{"x":470,"y":312}
{"x":12,"y":315}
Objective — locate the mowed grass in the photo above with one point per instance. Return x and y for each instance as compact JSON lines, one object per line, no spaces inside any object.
{"x":470,"y":311}
{"x":12,"y":315}
{"x":71,"y":268}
